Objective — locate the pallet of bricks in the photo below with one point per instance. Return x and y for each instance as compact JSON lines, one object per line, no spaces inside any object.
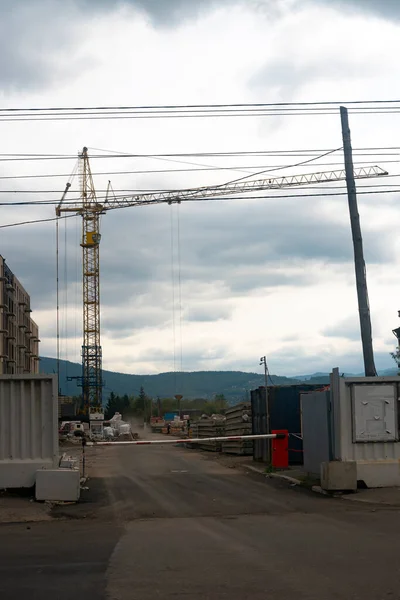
{"x":213,"y":426}
{"x":238,"y":422}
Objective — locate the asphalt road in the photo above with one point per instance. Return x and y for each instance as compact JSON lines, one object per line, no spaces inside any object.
{"x":172,"y":523}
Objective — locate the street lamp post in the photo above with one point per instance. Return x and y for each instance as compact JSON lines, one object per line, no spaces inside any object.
{"x":263,"y":361}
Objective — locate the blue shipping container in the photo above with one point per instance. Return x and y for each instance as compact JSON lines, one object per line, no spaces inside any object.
{"x":170,"y":416}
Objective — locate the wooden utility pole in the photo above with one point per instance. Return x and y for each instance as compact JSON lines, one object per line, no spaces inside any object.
{"x":359,"y":263}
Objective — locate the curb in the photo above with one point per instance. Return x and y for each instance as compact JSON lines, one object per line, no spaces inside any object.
{"x":382,"y":504}
{"x":292,"y":480}
{"x":317,"y":489}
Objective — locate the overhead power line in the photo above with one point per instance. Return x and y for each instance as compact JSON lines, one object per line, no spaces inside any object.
{"x":214,"y":199}
{"x":299,"y":164}
{"x":113,"y":153}
{"x":188,"y":106}
{"x":123,"y":116}
{"x":192,"y":170}
{"x":125,"y":191}
{"x":199,"y":110}
{"x":359,"y":152}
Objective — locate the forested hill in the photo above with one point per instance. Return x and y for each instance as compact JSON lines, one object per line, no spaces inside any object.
{"x":235,"y":385}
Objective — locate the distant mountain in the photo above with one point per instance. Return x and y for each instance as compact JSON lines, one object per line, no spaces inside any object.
{"x":324,"y":377}
{"x":389,"y":372}
{"x":235,"y":385}
{"x":313,"y":376}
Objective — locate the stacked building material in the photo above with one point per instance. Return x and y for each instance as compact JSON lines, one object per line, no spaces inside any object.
{"x":194,"y":430}
{"x":157,"y":424}
{"x":213,"y":426}
{"x":238,"y":422}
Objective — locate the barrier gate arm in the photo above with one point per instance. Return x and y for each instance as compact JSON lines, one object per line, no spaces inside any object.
{"x":278,"y":436}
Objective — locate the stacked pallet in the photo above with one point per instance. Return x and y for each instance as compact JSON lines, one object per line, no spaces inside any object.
{"x":157,"y":425}
{"x":213,"y":426}
{"x":194,"y":430}
{"x":238,"y":422}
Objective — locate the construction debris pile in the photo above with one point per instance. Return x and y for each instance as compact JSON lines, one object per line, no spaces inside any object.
{"x":238,"y":422}
{"x":117,"y":428}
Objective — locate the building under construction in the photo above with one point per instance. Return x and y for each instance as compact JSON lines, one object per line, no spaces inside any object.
{"x":19,"y":334}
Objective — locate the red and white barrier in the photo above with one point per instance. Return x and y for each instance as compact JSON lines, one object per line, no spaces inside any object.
{"x":231,"y":438}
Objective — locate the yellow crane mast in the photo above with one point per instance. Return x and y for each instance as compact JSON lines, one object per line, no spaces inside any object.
{"x":90,"y":210}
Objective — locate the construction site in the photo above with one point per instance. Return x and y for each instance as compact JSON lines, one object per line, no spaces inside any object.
{"x":329,"y":450}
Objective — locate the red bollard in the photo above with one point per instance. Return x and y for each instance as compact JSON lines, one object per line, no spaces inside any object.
{"x":280,"y":449}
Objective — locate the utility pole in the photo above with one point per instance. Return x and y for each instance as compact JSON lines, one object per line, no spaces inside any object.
{"x":58,"y":290}
{"x":359,"y":263}
{"x":263,"y":361}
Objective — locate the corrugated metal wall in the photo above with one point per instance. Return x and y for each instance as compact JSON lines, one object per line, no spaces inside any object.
{"x":28,"y":427}
{"x":317,"y":430}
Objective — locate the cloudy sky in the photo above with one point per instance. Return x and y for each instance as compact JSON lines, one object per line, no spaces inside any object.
{"x":251,"y":277}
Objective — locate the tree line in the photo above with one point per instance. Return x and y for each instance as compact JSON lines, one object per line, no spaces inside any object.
{"x":145,"y":407}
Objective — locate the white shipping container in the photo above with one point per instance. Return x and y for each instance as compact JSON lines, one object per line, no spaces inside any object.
{"x":28,"y":428}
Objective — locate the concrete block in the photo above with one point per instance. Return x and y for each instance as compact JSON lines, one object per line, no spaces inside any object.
{"x":339,"y":476}
{"x":58,"y":485}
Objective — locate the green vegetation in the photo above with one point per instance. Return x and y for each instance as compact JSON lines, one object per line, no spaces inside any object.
{"x":143,"y":406}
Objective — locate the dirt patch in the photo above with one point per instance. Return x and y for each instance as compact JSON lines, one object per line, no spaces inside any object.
{"x":21,"y":508}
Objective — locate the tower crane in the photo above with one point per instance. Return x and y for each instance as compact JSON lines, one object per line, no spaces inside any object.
{"x":90,"y":210}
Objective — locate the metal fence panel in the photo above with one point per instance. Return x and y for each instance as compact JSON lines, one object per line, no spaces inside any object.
{"x":28,"y":428}
{"x":316,"y":423}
